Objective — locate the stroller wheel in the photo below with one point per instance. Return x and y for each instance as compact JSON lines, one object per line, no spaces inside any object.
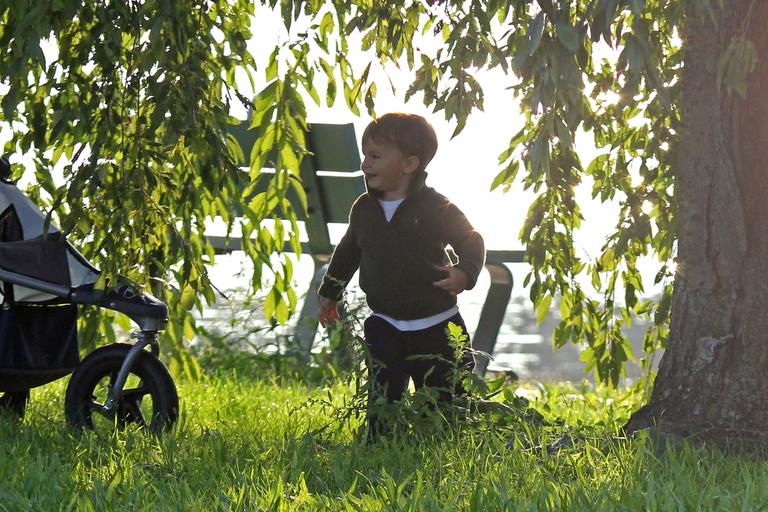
{"x":15,"y":402}
{"x":149,"y":398}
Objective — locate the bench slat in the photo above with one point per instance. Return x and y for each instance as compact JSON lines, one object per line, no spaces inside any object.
{"x":333,"y":147}
{"x":494,"y":256}
{"x":337,"y":193}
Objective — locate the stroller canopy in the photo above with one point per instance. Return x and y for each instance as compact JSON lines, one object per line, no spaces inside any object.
{"x":26,"y":249}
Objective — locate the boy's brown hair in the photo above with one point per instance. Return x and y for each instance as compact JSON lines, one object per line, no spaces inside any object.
{"x":410,"y":133}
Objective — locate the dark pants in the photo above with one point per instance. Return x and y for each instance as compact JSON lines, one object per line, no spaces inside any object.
{"x":396,"y":356}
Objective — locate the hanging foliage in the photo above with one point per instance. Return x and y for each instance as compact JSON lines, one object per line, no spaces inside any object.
{"x":135,"y":103}
{"x":123,"y":109}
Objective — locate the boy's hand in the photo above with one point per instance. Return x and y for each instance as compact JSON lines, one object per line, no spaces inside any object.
{"x":329,"y":311}
{"x":455,"y":283}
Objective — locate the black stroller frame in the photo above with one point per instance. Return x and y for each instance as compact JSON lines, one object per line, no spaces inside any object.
{"x":43,"y":279}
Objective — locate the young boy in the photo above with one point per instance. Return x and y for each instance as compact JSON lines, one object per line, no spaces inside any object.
{"x":397,"y":236}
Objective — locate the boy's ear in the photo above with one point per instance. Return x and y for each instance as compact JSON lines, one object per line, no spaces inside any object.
{"x":412,"y":164}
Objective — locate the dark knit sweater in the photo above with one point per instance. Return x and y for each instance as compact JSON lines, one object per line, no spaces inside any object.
{"x":400,"y":260}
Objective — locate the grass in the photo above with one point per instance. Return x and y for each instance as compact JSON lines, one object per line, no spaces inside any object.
{"x":255,"y":445}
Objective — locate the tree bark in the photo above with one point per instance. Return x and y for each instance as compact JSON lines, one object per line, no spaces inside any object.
{"x":713,"y":377}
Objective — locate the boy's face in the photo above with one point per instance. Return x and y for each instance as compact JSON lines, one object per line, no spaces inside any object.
{"x":387,"y":170}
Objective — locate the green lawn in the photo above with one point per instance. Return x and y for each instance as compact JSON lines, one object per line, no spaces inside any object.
{"x":251,"y":445}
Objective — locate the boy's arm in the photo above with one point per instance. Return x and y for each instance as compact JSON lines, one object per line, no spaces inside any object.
{"x":343,"y":265}
{"x":468,"y":245}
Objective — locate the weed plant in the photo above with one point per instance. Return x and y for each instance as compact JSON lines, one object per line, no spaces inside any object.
{"x":253,"y":348}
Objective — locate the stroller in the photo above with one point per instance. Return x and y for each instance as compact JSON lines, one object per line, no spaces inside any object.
{"x":42,"y":279}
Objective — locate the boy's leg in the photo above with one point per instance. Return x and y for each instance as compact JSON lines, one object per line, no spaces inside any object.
{"x":387,"y":377}
{"x":435,"y":361}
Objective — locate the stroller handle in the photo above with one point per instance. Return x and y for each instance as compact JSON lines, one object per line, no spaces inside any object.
{"x":150,"y":313}
{"x":58,"y":290}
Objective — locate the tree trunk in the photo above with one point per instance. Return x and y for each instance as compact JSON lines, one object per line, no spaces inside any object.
{"x":713,"y":377}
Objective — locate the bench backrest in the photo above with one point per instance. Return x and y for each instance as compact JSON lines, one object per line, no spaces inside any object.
{"x":331,"y":176}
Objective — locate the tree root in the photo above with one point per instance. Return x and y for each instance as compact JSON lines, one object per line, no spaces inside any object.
{"x":651,"y":419}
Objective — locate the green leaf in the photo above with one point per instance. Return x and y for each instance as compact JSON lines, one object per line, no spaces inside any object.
{"x":282,"y":313}
{"x":270,"y":303}
{"x":535,"y":31}
{"x":455,"y":332}
{"x":568,"y":36}
{"x":188,"y":297}
{"x":326,"y":24}
{"x":330,"y":96}
{"x":598,"y":163}
{"x":608,"y":260}
{"x":542,"y":308}
{"x":506,"y":176}
{"x":271,"y":71}
{"x":298,"y":188}
{"x":289,"y":158}
{"x":9,"y":104}
{"x":563,"y":133}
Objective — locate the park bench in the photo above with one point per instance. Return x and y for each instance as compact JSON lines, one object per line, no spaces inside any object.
{"x":333,"y":181}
